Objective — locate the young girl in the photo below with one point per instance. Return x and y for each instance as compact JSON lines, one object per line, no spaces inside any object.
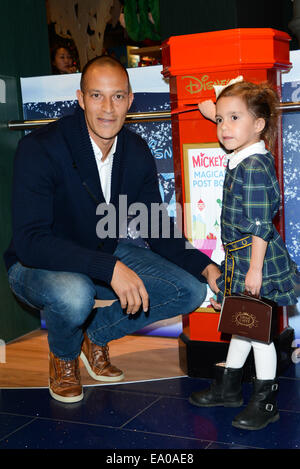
{"x":246,"y":118}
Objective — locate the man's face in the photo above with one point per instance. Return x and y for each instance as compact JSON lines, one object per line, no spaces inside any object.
{"x":105,"y":101}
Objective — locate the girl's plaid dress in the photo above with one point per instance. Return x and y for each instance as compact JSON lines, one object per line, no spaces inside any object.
{"x":251,"y":199}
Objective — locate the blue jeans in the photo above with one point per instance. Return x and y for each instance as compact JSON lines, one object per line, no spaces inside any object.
{"x":67,"y":299}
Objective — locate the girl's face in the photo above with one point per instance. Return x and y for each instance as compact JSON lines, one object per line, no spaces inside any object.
{"x":237,"y":128}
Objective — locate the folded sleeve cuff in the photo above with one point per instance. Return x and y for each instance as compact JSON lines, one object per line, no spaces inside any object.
{"x":256,"y":227}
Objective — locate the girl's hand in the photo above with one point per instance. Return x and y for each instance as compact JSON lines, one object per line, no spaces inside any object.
{"x":208,"y":109}
{"x":253,"y":281}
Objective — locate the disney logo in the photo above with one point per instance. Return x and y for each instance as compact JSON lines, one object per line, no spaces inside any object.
{"x":196,"y":85}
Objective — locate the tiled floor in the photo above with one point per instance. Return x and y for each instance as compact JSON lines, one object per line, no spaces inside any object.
{"x":151,"y":415}
{"x":148,"y":415}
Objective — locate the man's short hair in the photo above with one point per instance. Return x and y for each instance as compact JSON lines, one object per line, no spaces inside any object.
{"x":103,"y":60}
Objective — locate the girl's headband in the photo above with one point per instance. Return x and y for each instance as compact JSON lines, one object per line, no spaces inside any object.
{"x":219,"y":88}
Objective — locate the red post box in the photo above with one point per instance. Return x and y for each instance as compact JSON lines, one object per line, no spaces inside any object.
{"x":194,"y":64}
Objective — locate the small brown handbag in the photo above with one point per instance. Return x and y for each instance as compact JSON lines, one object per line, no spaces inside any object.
{"x":247,"y":316}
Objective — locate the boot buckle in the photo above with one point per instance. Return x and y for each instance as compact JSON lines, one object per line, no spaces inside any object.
{"x":269,"y":407}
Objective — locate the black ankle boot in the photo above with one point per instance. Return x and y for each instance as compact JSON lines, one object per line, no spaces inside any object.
{"x":262,"y":407}
{"x":225,"y":390}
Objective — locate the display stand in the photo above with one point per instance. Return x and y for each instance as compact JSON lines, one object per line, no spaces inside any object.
{"x":193,"y":64}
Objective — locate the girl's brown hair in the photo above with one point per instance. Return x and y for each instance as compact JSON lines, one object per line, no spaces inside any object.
{"x":262,"y":101}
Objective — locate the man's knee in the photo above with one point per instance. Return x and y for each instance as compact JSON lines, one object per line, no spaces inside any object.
{"x":194,"y":291}
{"x":71,"y":295}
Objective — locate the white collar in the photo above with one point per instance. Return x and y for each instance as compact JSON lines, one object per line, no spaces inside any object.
{"x":236,"y":158}
{"x":98,"y":153}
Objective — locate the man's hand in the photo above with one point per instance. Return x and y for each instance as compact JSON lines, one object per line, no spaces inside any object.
{"x":129,"y":288}
{"x":215,"y":304}
{"x":211,"y":273}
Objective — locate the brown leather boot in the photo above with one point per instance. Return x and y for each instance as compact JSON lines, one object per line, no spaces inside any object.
{"x":97,"y":362}
{"x":64,"y":379}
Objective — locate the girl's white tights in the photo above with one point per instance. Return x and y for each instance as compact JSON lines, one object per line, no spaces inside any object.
{"x":265,"y":356}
